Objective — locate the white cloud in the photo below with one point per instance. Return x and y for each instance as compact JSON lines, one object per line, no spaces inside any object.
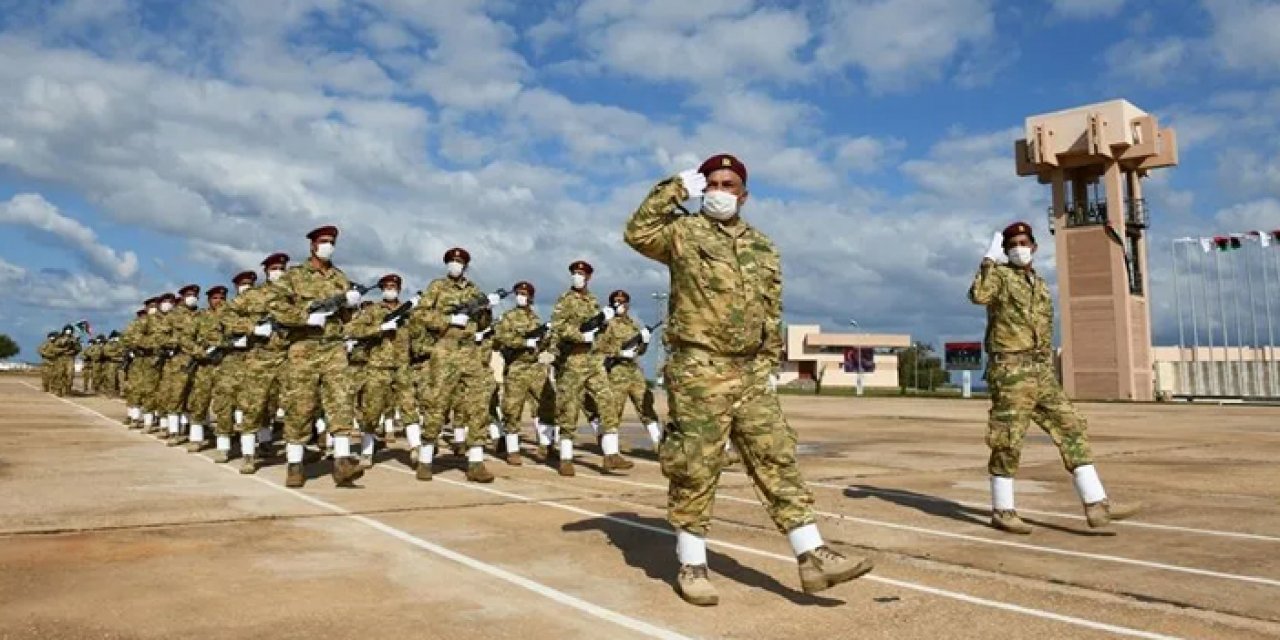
{"x":865,"y":154}
{"x":1086,"y":9}
{"x":1260,"y":215}
{"x":32,"y":210}
{"x":901,"y":43}
{"x":1244,"y":33}
{"x":1151,"y":62}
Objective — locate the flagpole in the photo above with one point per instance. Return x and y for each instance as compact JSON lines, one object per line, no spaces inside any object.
{"x":1195,"y":337}
{"x":1253,"y":316}
{"x":1228,"y":373}
{"x":1178,"y":309}
{"x":1213,"y":379}
{"x":1271,"y":342}
{"x":1241,"y":382}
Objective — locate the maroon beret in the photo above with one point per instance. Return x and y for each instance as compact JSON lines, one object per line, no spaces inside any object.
{"x":1017,"y":229}
{"x":152,"y":300}
{"x":217,"y":290}
{"x":327,"y":230}
{"x":140,"y":312}
{"x":581,"y":265}
{"x":523,"y":285}
{"x":459,"y":254}
{"x":724,"y":161}
{"x":274,"y":259}
{"x":168,"y":296}
{"x":389,"y":278}
{"x":245,"y":276}
{"x":193,"y":289}
{"x":626,"y":297}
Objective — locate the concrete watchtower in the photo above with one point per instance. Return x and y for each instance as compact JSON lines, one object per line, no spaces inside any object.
{"x":1094,"y":158}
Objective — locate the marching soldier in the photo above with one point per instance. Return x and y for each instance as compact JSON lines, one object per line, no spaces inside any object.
{"x":1022,"y":382}
{"x":456,"y":380}
{"x":209,"y":340}
{"x":524,"y":378}
{"x":724,"y":340}
{"x":316,"y":380}
{"x":626,"y":378}
{"x":582,"y":370}
{"x":385,"y":385}
{"x":113,"y":354}
{"x":91,"y":359}
{"x":46,"y":361}
{"x":131,"y":341}
{"x":63,"y":353}
{"x":180,"y":344}
{"x":144,"y":374}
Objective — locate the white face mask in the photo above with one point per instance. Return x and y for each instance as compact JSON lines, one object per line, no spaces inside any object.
{"x":719,"y":205}
{"x":166,"y":307}
{"x":620,"y":309}
{"x":324,"y":250}
{"x":578,"y":280}
{"x":1019,"y":256}
{"x":522,"y":300}
{"x":241,"y":288}
{"x":455,"y":268}
{"x":151,"y":311}
{"x":390,"y":295}
{"x":275,"y":274}
{"x":190,"y":301}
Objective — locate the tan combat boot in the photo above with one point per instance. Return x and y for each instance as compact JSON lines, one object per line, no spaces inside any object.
{"x":695,"y":585}
{"x":127,"y":421}
{"x":477,"y":472}
{"x":566,"y":469}
{"x":249,"y":466}
{"x":221,"y":455}
{"x":514,"y":459}
{"x":615,"y":462}
{"x":424,"y":471}
{"x":1101,"y":514}
{"x":823,"y":568}
{"x":176,"y":440}
{"x":1009,"y":521}
{"x":293,"y":476}
{"x":346,"y":471}
{"x":195,"y":446}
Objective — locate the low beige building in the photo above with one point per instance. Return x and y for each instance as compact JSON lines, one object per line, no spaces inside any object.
{"x":810,"y":353}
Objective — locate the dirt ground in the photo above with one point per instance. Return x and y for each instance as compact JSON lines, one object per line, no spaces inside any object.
{"x":107,"y":533}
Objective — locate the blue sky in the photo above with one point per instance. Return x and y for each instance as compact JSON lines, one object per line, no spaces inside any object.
{"x":144,"y":145}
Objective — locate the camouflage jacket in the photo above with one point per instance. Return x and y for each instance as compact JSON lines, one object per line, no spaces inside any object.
{"x":508,"y":335}
{"x":64,"y":346}
{"x":726,"y":278}
{"x":113,"y":350}
{"x":385,"y":349}
{"x":1019,"y":308}
{"x":299,"y":287}
{"x":433,"y":312}
{"x":622,"y":328}
{"x":421,"y":342}
{"x":572,"y":308}
{"x":92,"y":353}
{"x":243,"y":312}
{"x":46,"y":349}
{"x":182,"y":330}
{"x":208,"y":328}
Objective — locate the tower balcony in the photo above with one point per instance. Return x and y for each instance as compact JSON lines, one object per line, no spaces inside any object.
{"x":1094,"y":212}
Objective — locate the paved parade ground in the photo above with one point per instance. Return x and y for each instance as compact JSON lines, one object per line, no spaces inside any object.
{"x":107,"y":533}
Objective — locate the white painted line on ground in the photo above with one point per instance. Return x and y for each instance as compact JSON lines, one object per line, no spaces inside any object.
{"x":1003,"y":543}
{"x":902,"y":584}
{"x":638,"y":626}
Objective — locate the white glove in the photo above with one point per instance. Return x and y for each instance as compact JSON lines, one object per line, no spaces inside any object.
{"x":589,"y":337}
{"x":645,"y":335}
{"x":773,"y":382}
{"x":531,"y":343}
{"x":695,"y":183}
{"x":494,"y":299}
{"x":480,"y":336}
{"x":264,"y":330}
{"x":350,"y":344}
{"x":317,"y":319}
{"x":995,"y":252}
{"x":353,"y":298}
{"x":241,"y":343}
{"x":629,"y":354}
{"x":210,"y":351}
{"x":609,"y":313}
{"x":546,"y":357}
{"x":459,"y":319}
{"x":390,"y":325}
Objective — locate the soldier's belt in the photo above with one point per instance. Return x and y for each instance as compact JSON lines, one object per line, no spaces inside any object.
{"x":713,"y":355}
{"x":578,"y":349}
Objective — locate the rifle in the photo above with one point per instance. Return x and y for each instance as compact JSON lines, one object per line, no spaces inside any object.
{"x":481,"y":336}
{"x":401,"y":313}
{"x":631,"y":343}
{"x":336,"y":301}
{"x":596,"y":322}
{"x":477,"y":304}
{"x":537,"y":333}
{"x":128,"y":360}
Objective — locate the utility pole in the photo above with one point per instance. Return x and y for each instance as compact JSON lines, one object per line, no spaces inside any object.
{"x":854,"y":323}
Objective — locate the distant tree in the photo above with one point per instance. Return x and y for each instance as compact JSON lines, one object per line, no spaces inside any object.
{"x":919,"y":369}
{"x":8,"y":348}
{"x":817,"y":378}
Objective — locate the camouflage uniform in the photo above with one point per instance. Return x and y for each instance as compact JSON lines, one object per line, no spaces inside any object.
{"x":208,"y":335}
{"x":91,"y":359}
{"x":63,"y":351}
{"x":724,"y":338}
{"x":378,"y":359}
{"x":113,"y":359}
{"x":316,"y":380}
{"x":626,"y":378}
{"x":246,"y":376}
{"x":46,"y":364}
{"x":1020,"y":372}
{"x":581,"y":368}
{"x":524,"y":378}
{"x":180,"y":341}
{"x":421,"y":343}
{"x":456,"y":381}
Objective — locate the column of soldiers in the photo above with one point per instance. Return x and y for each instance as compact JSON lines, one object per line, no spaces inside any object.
{"x":302,"y":344}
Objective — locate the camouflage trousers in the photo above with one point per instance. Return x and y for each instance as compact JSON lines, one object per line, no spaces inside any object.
{"x":228,"y":388}
{"x":579,"y":375}
{"x":143,"y":377}
{"x":174,"y":385}
{"x":62,"y":369}
{"x":712,"y":400}
{"x":526,"y":382}
{"x":1024,"y":392}
{"x":104,"y":381}
{"x":316,"y":382}
{"x":201,"y":396}
{"x":382,"y":392}
{"x":46,"y":375}
{"x":88,"y":376}
{"x":628,"y":383}
{"x":457,"y":384}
